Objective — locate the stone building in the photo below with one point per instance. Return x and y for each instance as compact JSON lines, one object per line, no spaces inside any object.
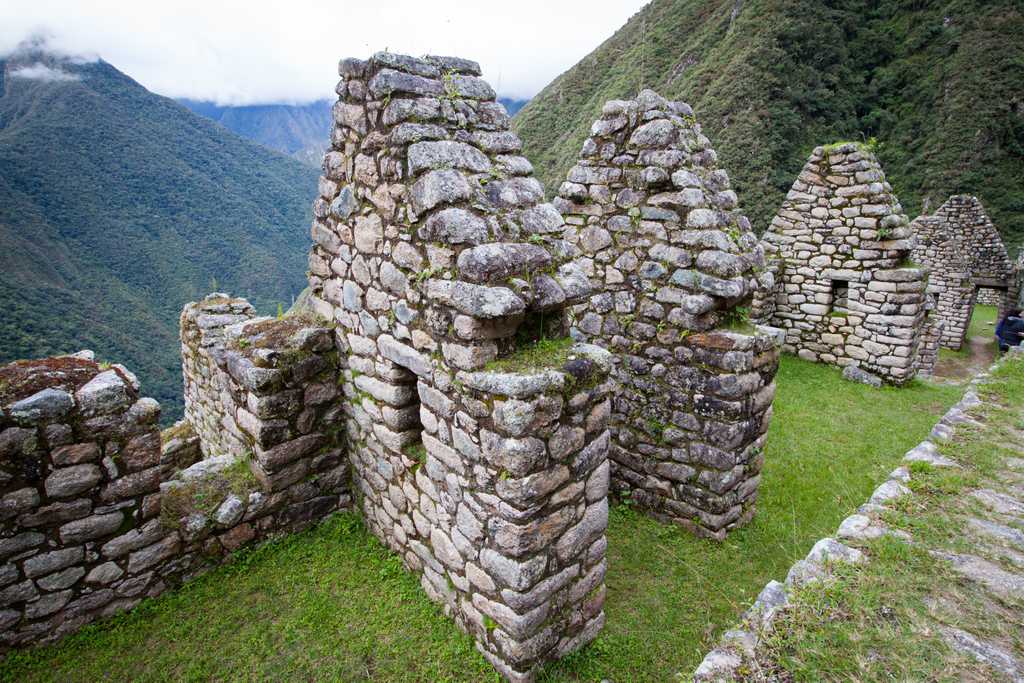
{"x":844,"y":292}
{"x":969,"y":263}
{"x":433,"y":382}
{"x":440,"y":263}
{"x":672,"y":261}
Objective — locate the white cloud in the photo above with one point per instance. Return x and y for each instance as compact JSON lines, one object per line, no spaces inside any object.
{"x":251,"y":51}
{"x":41,"y":72}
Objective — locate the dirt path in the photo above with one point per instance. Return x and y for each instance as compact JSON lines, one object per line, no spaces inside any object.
{"x":977,"y":354}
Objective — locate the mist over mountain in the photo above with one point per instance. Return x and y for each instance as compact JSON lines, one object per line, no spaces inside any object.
{"x":301,"y":131}
{"x":117,"y":206}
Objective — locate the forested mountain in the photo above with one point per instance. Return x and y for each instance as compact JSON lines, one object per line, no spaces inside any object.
{"x":301,"y":131}
{"x":940,"y":84}
{"x":117,"y":206}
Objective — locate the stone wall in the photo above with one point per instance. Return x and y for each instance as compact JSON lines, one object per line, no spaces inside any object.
{"x":263,"y":389}
{"x":968,"y":261}
{"x":477,"y":433}
{"x":950,"y":285}
{"x":671,"y":261}
{"x":989,"y":296}
{"x":1017,"y":287}
{"x":99,"y":510}
{"x":928,"y":347}
{"x":844,"y":293}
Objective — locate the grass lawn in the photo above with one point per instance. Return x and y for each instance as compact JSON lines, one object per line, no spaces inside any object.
{"x":333,"y":604}
{"x":851,"y":629}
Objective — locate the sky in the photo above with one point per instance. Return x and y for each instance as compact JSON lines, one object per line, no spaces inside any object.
{"x":254,"y":52}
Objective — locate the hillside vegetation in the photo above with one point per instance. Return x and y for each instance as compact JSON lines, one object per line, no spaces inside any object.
{"x":117,"y":206}
{"x":939,"y":84}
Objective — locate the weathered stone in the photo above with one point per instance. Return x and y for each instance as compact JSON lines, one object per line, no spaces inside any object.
{"x":104,"y":574}
{"x":446,"y":154}
{"x":439,"y":187}
{"x":104,"y":393}
{"x":48,"y":404}
{"x":478,"y":301}
{"x":69,"y":481}
{"x":498,"y":261}
{"x":91,"y":528}
{"x":46,"y":563}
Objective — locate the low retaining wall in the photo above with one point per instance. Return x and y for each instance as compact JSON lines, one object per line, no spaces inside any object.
{"x":96,"y":513}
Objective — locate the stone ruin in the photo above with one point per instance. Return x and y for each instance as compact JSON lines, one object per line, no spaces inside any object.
{"x":672,"y":261}
{"x":844,"y":291}
{"x":438,"y":261}
{"x":99,"y":510}
{"x":968,"y":261}
{"x":432,"y":382}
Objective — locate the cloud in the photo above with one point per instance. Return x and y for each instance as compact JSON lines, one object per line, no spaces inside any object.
{"x":41,"y":72}
{"x":256,"y":51}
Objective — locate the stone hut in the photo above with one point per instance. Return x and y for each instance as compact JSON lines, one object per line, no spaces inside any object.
{"x":672,"y":263}
{"x":477,"y":431}
{"x":968,"y":260}
{"x":844,"y":292}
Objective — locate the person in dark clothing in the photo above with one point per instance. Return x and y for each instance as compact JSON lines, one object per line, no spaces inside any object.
{"x":1010,"y":330}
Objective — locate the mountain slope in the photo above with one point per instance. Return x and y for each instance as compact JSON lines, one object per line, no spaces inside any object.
{"x":117,"y":206}
{"x":301,"y":131}
{"x":940,"y":84}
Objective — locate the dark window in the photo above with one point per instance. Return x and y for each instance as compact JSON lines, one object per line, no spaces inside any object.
{"x":840,"y":296}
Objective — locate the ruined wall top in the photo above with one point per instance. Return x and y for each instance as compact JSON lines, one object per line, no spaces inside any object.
{"x":842,"y":198}
{"x":427,"y":203}
{"x":655,"y":214}
{"x":962,"y":220}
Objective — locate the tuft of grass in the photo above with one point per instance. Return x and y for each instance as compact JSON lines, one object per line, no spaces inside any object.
{"x":541,"y":354}
{"x":206,"y":495}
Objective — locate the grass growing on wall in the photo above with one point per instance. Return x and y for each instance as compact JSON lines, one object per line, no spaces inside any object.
{"x":332,"y":604}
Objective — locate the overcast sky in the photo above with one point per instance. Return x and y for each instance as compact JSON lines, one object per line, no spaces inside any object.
{"x":252,"y":51}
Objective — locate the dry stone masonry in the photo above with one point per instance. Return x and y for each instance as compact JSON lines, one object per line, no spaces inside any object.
{"x":266,"y":390}
{"x":435,"y":255}
{"x":969,"y":264}
{"x":98,"y":509}
{"x":844,"y":293}
{"x":671,"y":261}
{"x":442,"y":377}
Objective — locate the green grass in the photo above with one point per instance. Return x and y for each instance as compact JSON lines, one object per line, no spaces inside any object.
{"x":852,"y":629}
{"x":332,"y":604}
{"x":982,"y":322}
{"x":537,"y":355}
